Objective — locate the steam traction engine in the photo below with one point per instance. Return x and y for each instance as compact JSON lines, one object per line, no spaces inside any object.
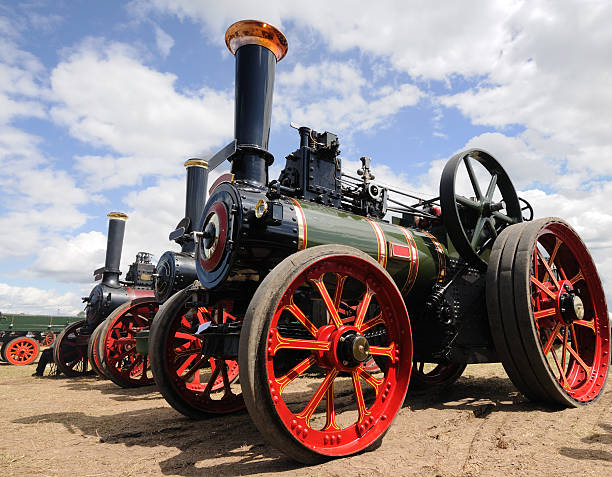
{"x":309,"y":287}
{"x":114,"y":348}
{"x":72,"y":353}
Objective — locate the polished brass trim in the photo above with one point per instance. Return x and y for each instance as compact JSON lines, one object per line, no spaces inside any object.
{"x":117,"y":215}
{"x":301,"y":222}
{"x":196,"y":163}
{"x":254,"y":32}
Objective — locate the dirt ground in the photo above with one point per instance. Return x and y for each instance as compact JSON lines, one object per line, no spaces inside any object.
{"x":479,"y":427}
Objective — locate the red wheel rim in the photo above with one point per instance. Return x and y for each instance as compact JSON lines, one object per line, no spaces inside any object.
{"x":576,"y":348}
{"x":21,"y":351}
{"x":47,"y":339}
{"x":337,"y":427}
{"x":207,"y":384}
{"x":122,"y":359}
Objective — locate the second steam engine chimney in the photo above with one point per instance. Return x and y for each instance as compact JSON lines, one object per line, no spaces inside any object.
{"x":258,"y":47}
{"x":114,"y":245}
{"x":195,"y":198}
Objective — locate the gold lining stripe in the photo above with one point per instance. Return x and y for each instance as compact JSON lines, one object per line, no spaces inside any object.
{"x":382,"y":242}
{"x":301,"y":222}
{"x":196,"y":163}
{"x":117,"y":215}
{"x":441,"y":256}
{"x":414,"y":262}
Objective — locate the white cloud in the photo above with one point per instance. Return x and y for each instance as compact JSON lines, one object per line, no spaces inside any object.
{"x":164,"y":41}
{"x":70,"y":259}
{"x":335,"y":95}
{"x":31,"y":300}
{"x":108,"y":98}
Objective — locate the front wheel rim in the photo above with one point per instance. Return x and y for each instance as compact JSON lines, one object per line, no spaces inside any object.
{"x":377,"y":399}
{"x":575,"y":348}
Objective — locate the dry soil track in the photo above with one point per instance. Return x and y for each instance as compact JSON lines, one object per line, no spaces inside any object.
{"x":480,"y":427}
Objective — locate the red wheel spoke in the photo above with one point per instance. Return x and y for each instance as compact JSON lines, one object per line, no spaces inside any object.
{"x":186,"y":364}
{"x":371,"y":380}
{"x":377,"y":320}
{"x":133,"y":364}
{"x":340,"y":279}
{"x":473,"y":180}
{"x":551,"y":339}
{"x":575,"y":354}
{"x":561,"y":371}
{"x":226,"y":382}
{"x":363,"y":306}
{"x":548,"y":270}
{"x":276,"y":342}
{"x":574,"y":339}
{"x":361,"y":406}
{"x":301,"y":317}
{"x":553,"y":254}
{"x":544,"y":313}
{"x":330,"y":419}
{"x":588,"y":324}
{"x":543,"y":287}
{"x":187,"y":336}
{"x":321,"y":391}
{"x":296,"y":371}
{"x":388,"y":351}
{"x":211,"y":381}
{"x":576,"y":277}
{"x":564,"y":355}
{"x":114,"y":359}
{"x":199,"y":363}
{"x":329,"y":304}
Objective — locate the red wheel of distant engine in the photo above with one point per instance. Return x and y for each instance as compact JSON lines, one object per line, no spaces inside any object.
{"x":548,"y":313}
{"x":282,"y":325}
{"x":434,"y":375}
{"x":120,"y":360}
{"x":47,"y":338}
{"x":194,"y":385}
{"x":21,"y":351}
{"x":70,"y":351}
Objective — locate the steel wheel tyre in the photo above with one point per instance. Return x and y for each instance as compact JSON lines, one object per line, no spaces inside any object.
{"x":70,"y":351}
{"x":119,"y":359}
{"x":435,"y":376}
{"x":92,"y":351}
{"x":21,"y":351}
{"x":328,"y":355}
{"x":548,"y":313}
{"x":193,"y":385}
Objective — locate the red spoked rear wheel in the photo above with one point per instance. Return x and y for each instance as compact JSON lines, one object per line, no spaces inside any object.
{"x":92,"y":351}
{"x":194,"y":385}
{"x":548,"y":313}
{"x":304,"y":372}
{"x":21,"y":351}
{"x":46,"y":338}
{"x":120,"y":360}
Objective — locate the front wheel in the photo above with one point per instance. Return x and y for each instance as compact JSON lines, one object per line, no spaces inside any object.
{"x":21,"y":351}
{"x":70,"y":351}
{"x":303,"y":367}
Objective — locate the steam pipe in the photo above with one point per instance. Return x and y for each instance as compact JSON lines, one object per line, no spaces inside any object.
{"x":257,"y":47}
{"x":114,"y":245}
{"x":195,"y":197}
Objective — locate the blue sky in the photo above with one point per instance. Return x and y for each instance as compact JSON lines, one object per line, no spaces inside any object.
{"x":101,"y":102}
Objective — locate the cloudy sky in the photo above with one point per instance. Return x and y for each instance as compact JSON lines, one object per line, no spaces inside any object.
{"x":101,"y":102}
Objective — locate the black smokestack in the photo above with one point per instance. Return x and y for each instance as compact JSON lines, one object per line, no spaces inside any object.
{"x":258,"y":47}
{"x":195,"y":198}
{"x":114,"y":244}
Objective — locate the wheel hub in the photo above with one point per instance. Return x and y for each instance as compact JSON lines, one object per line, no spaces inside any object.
{"x":354,"y":348}
{"x":572,"y":308}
